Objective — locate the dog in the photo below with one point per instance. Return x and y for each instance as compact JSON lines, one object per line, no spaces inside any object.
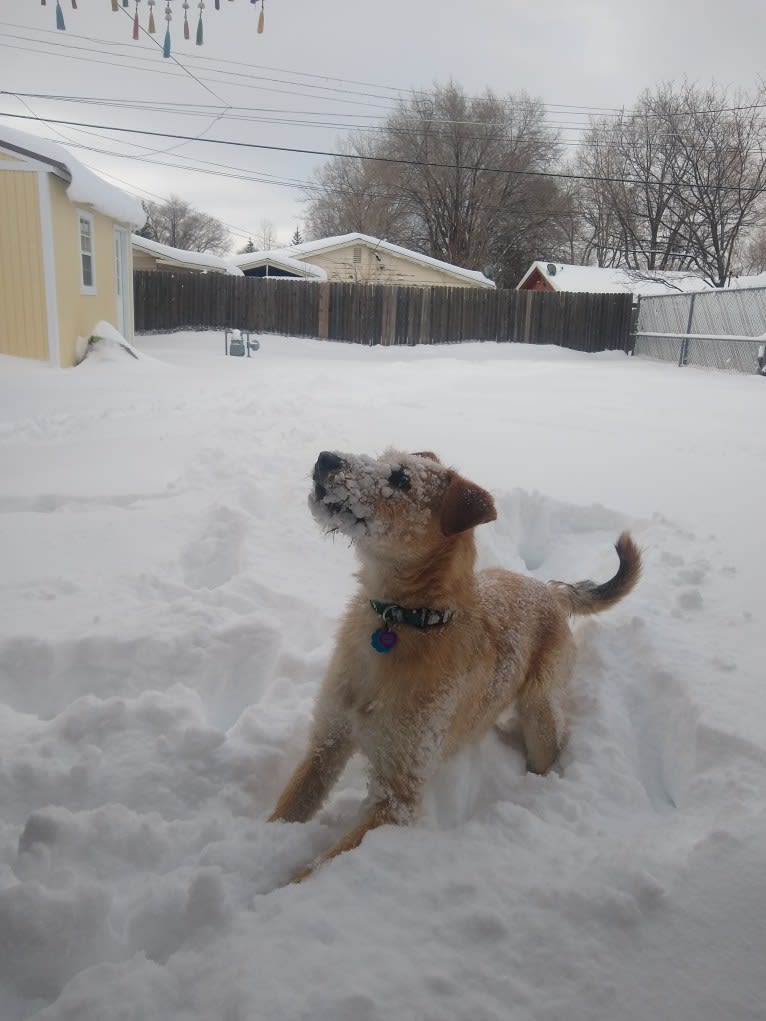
{"x":431,"y":652}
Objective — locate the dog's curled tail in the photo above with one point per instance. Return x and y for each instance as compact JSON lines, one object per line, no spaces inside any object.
{"x":585,"y":597}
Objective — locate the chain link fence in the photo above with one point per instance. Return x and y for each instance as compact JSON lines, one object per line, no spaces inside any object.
{"x":721,"y":329}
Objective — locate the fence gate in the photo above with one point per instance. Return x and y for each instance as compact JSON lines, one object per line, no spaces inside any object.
{"x":720,"y":329}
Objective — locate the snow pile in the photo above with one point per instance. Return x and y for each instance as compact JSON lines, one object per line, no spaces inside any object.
{"x":167,"y":606}
{"x":105,"y":343}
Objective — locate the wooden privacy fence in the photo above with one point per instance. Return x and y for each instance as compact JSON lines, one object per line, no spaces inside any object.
{"x":377,"y":314}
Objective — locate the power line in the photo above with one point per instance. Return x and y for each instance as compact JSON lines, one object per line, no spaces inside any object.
{"x":555,"y":174}
{"x":231,"y":113}
{"x":244,"y":175}
{"x":313,"y":80}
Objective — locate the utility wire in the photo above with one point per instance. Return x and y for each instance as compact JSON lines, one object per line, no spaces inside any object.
{"x":397,"y":91}
{"x":555,"y":174}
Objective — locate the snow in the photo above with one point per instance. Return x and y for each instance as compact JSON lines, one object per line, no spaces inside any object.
{"x":167,"y":606}
{"x":202,"y":259}
{"x":756,"y":280}
{"x":616,"y":280}
{"x":85,"y":186}
{"x":282,"y":259}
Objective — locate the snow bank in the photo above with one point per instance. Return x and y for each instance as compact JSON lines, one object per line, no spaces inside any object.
{"x":167,"y":606}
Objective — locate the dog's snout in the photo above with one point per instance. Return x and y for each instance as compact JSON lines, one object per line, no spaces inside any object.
{"x":326,"y":463}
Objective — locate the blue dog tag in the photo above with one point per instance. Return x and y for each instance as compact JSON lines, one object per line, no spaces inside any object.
{"x":383,"y":640}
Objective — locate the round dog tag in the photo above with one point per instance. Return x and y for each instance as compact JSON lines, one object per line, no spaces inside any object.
{"x":383,"y":640}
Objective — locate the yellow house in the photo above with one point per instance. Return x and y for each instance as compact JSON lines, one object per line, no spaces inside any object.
{"x":65,"y":252}
{"x":358,"y":258}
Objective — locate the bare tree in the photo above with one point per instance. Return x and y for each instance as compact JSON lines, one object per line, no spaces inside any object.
{"x":753,"y":258}
{"x":458,"y":178}
{"x":632,"y":166}
{"x":178,"y":224}
{"x":674,"y":184}
{"x":265,"y":236}
{"x":356,"y":193}
{"x":723,"y":146}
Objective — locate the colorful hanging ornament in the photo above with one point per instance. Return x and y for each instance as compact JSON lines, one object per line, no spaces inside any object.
{"x":168,"y":19}
{"x":151,"y":25}
{"x":201,"y":6}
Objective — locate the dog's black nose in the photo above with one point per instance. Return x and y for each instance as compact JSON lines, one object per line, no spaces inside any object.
{"x":326,"y":462}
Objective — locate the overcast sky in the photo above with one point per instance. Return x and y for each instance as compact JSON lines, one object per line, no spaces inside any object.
{"x":323,"y":66}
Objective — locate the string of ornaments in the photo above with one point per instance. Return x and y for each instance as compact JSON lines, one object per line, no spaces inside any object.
{"x":151,"y":19}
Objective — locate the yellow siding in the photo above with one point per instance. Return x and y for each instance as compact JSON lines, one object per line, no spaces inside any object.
{"x":339,"y":265}
{"x":78,"y":313}
{"x":23,"y":318}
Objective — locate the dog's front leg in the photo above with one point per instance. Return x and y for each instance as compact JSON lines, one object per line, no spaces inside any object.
{"x":399,"y":774}
{"x":328,"y":752}
{"x":382,"y":813}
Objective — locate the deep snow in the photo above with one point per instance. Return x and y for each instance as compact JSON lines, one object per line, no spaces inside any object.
{"x":167,"y":605}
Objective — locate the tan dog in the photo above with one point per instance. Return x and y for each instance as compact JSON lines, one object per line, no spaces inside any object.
{"x":431,"y":652}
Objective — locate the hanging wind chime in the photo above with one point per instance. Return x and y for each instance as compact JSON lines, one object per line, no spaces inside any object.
{"x":151,"y":24}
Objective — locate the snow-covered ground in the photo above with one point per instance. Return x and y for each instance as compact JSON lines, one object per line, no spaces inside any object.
{"x":167,"y":606}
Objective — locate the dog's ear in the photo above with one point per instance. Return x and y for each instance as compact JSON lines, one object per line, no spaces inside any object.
{"x":427,"y":453}
{"x":464,"y":506}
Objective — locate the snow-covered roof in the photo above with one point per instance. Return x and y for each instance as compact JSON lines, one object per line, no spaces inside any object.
{"x":83,"y":185}
{"x":744,"y":283}
{"x":282,"y":258}
{"x":614,"y":280}
{"x":298,"y":253}
{"x":180,"y":257}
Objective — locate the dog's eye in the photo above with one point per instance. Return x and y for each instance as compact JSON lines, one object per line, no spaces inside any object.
{"x":399,"y":479}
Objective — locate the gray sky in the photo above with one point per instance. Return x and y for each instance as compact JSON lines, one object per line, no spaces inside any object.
{"x":322,"y":67}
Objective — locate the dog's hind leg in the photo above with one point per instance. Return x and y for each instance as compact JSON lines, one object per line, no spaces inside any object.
{"x":541,"y":729}
{"x":542,"y":707}
{"x":313,"y":778}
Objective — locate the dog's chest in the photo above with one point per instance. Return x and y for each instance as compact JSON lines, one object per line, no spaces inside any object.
{"x":384,"y":703}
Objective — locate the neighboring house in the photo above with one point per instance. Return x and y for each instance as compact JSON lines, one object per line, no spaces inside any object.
{"x":358,"y":258}
{"x":155,"y":257}
{"x":556,"y":276}
{"x":277,"y":262}
{"x":65,"y":257}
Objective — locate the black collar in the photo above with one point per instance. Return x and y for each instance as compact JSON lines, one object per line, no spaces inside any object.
{"x":422,"y":618}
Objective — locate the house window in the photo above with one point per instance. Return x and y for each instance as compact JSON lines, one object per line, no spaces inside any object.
{"x":357,"y":255}
{"x":87,"y":254}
